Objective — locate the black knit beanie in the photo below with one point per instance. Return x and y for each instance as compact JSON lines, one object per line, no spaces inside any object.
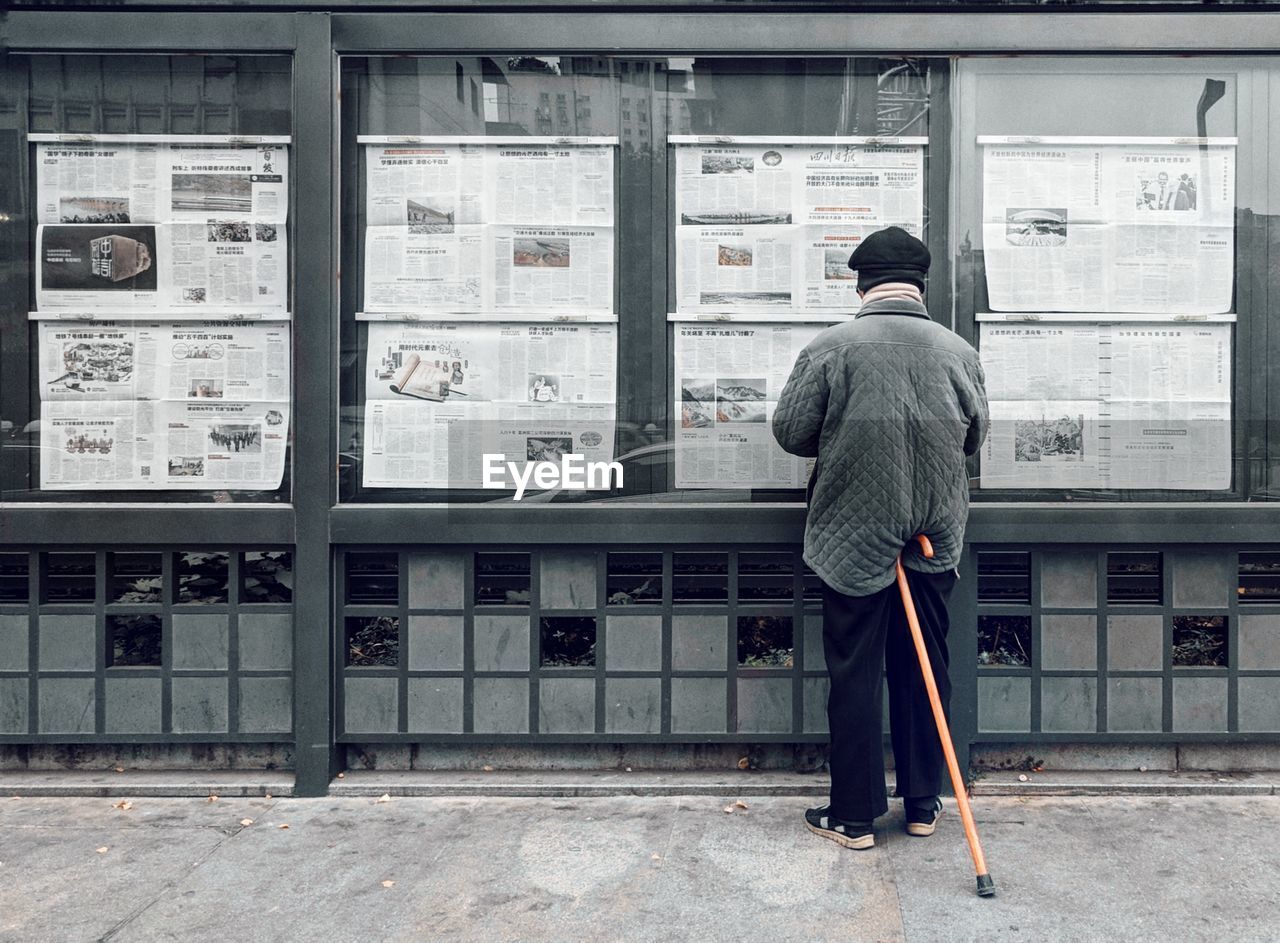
{"x":890,"y":255}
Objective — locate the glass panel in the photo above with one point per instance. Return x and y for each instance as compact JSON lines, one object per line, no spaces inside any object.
{"x":1106,"y":211}
{"x":488,"y":195}
{"x":163,"y":397}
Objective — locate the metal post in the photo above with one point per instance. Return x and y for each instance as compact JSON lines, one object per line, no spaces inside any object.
{"x":314,"y":459}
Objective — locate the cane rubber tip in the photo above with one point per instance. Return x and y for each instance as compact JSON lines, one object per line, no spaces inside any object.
{"x":986,"y":886}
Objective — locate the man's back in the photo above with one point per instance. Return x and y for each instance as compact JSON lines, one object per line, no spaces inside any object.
{"x":890,"y":402}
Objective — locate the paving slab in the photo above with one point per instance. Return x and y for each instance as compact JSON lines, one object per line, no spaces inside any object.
{"x":657,"y":868}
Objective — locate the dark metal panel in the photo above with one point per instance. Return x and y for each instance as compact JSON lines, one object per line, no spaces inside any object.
{"x":962,"y":646}
{"x":315,"y":369}
{"x":115,"y":524}
{"x":1157,"y":524}
{"x":65,"y":31}
{"x":672,"y":33}
{"x":682,"y":523}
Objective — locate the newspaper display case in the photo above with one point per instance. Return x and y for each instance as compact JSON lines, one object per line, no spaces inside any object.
{"x":1046,"y":551}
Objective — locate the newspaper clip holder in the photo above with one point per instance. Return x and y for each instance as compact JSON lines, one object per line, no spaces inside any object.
{"x":718,"y":316}
{"x":242,"y":316}
{"x":74,"y":315}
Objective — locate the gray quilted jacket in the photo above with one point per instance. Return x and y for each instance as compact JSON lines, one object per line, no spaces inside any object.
{"x":890,"y":403}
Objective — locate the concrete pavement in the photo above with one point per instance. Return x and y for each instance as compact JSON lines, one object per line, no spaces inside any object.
{"x":662,"y":868}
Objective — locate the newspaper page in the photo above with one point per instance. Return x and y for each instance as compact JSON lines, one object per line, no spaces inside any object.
{"x":510,"y":363}
{"x":1109,"y":227}
{"x":408,"y":270}
{"x":416,"y":445}
{"x":163,"y":406}
{"x":789,"y":215}
{"x":736,"y":267}
{"x":551,"y":268}
{"x":111,"y":182}
{"x":542,"y":184}
{"x":469,"y":229}
{"x":101,"y":445}
{"x":180,"y":269}
{"x":1152,"y":409}
{"x":441,"y":395}
{"x":727,"y":382}
{"x":184,"y":229}
{"x":424,"y":188}
{"x":173,"y":361}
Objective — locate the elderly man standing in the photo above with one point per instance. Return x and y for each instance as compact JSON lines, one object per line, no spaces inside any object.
{"x":890,"y":403}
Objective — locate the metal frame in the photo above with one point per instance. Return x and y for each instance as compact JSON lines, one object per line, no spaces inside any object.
{"x":313,"y":525}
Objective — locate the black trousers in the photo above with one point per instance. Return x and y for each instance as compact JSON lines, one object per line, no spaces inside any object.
{"x":861,"y":633}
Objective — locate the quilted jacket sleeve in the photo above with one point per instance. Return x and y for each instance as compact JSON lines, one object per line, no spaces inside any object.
{"x":974,"y":400}
{"x":797,"y":422}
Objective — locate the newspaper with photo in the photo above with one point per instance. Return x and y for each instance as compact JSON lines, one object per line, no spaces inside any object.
{"x":509,"y":362}
{"x":238,"y":361}
{"x":194,"y":270}
{"x":1109,"y":227}
{"x":540,"y":267}
{"x":409,"y":444}
{"x":774,"y":224}
{"x":727,"y":384}
{"x":466,"y":229}
{"x":176,"y":405}
{"x":110,"y":182}
{"x":1108,"y":405}
{"x":100,"y":445}
{"x":735,"y":267}
{"x":184,"y":229}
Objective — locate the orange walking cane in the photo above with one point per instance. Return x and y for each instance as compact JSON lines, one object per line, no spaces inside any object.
{"x":986,"y":886}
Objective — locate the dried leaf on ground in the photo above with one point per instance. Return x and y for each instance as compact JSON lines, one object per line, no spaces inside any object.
{"x":487,"y":769}
{"x":124,"y":805}
{"x":728,"y":810}
{"x":740,"y":804}
{"x":385,"y":797}
{"x":103,"y":850}
{"x":119,"y":769}
{"x":655,"y":856}
{"x":342,"y":775}
{"x":283,"y":825}
{"x":388,"y":883}
{"x":267,"y":796}
{"x":213,"y":798}
{"x":246,"y":822}
{"x":744,"y":762}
